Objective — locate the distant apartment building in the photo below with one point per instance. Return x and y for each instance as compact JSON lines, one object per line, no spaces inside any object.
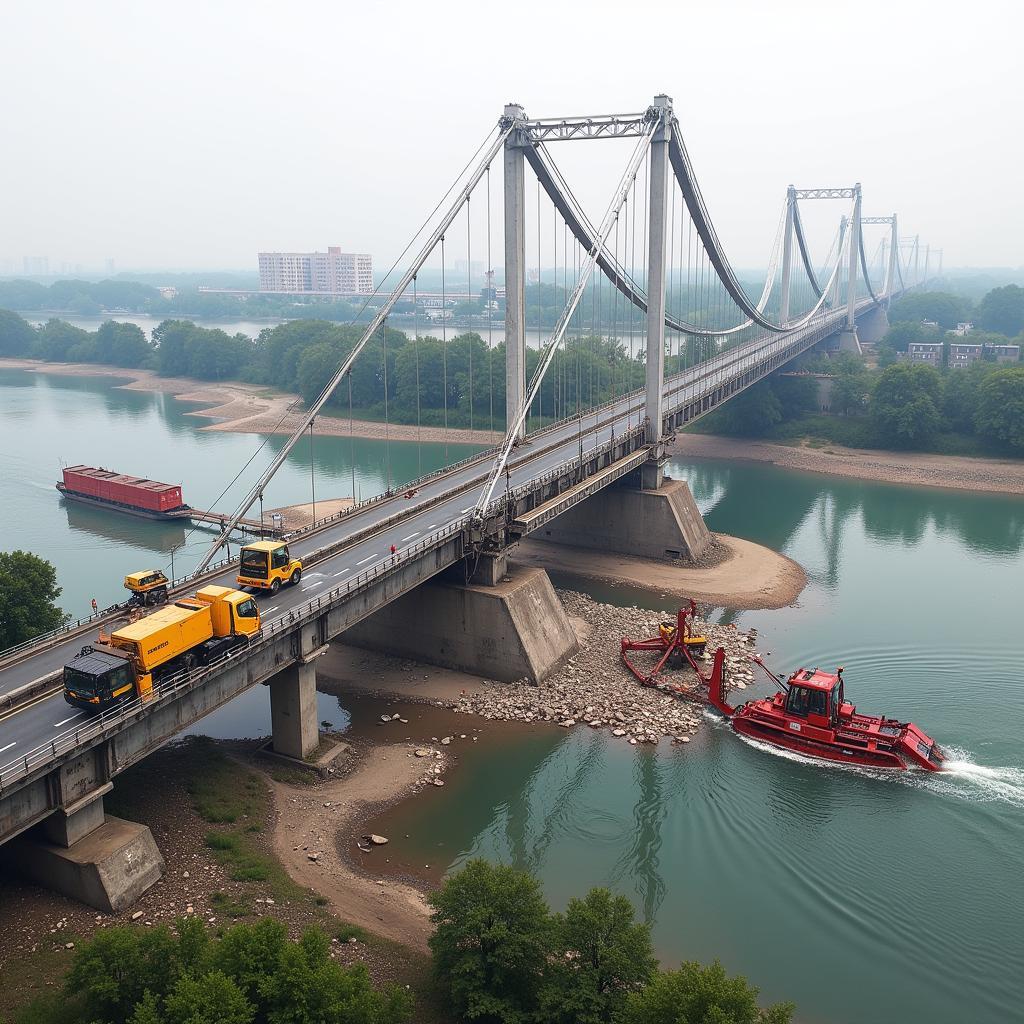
{"x":962,"y":354}
{"x":963,"y":329}
{"x":1004,"y":353}
{"x":327,"y":273}
{"x":929,"y":352}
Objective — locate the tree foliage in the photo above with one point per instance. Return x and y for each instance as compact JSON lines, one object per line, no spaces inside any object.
{"x":1000,"y":414}
{"x":701,"y":995}
{"x":600,"y":956}
{"x":945,"y":309}
{"x":16,"y":334}
{"x":905,"y":405}
{"x":491,"y":942}
{"x":1002,"y":310}
{"x":28,"y":597}
{"x":253,"y":975}
{"x":501,"y":957}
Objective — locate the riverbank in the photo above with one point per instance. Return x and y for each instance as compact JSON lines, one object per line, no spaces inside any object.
{"x":240,"y":408}
{"x":919,"y":469}
{"x":747,"y":576}
{"x":216,"y":811}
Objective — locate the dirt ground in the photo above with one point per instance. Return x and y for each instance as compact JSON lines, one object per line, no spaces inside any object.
{"x":751,"y":576}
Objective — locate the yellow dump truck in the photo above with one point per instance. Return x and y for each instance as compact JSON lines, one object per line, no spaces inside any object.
{"x":266,"y":564}
{"x":188,"y":633}
{"x":147,"y":587}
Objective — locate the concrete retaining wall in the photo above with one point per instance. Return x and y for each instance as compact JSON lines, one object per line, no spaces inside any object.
{"x":508,"y":631}
{"x":665,"y":523}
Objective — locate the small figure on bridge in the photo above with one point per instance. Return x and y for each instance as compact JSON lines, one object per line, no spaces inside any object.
{"x":393,"y":549}
{"x":95,"y":606}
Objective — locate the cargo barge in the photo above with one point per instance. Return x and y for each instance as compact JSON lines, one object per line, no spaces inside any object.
{"x":134,"y":495}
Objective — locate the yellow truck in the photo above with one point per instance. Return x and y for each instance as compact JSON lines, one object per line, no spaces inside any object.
{"x":147,"y":587}
{"x":266,"y":564}
{"x":181,"y":636}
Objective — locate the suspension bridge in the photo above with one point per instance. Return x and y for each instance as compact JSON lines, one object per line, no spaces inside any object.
{"x":686,"y":336}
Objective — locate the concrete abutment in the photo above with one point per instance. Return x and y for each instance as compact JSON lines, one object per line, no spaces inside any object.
{"x":654,"y":522}
{"x":100,"y":860}
{"x":515,"y":628}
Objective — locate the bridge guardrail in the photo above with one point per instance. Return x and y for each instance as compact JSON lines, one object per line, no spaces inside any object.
{"x":172,"y":686}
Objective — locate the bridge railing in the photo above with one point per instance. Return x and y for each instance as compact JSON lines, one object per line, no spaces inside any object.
{"x":174,"y":685}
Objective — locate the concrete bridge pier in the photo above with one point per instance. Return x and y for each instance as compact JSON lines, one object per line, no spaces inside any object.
{"x":507,"y":623}
{"x":645,"y":514}
{"x":82,"y":852}
{"x":293,"y":709}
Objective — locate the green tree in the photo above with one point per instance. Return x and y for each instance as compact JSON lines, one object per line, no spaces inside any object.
{"x":751,"y":413}
{"x":121,"y":344}
{"x":112,"y":972}
{"x":601,"y":955}
{"x":1000,"y":414}
{"x":170,"y":338}
{"x":16,"y":334}
{"x":56,"y":339}
{"x":209,"y":999}
{"x":28,"y":597}
{"x":945,"y":309}
{"x":1002,"y":310}
{"x":905,"y":405}
{"x":701,"y":995}
{"x":491,"y":942}
{"x":850,"y":385}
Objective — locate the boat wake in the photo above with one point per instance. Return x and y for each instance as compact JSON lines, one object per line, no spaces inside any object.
{"x":961,"y":776}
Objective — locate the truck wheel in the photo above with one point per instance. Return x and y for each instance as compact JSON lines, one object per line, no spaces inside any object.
{"x":296,"y":576}
{"x":275,"y":586}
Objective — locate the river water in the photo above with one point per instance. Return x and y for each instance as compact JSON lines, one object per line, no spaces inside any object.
{"x":863,"y":897}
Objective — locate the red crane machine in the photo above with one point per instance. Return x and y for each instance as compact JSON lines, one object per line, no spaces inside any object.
{"x":810,"y":715}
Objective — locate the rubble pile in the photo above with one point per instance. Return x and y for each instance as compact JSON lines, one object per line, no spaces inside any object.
{"x":594,"y":688}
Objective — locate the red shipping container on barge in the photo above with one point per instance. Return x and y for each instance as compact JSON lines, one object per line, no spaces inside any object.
{"x":132,"y":494}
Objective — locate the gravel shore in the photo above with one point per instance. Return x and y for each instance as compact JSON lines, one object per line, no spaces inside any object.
{"x":596,"y":690}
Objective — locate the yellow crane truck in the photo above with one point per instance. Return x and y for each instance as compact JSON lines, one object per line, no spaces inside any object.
{"x":266,"y":564}
{"x":181,"y":636}
{"x":147,"y":587}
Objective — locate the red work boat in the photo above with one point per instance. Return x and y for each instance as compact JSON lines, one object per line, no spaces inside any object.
{"x":811,"y":716}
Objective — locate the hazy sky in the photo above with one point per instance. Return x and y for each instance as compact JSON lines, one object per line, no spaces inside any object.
{"x":191,"y":135}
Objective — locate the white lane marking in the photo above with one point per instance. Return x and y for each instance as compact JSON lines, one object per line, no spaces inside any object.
{"x":313,"y":575}
{"x":366,"y":559}
{"x":432,"y":526}
{"x":470,"y":509}
{"x":319,"y":583}
{"x":341,"y":572}
{"x":269,"y":610}
{"x":8,"y":747}
{"x":66,"y":720}
{"x":410,"y":537}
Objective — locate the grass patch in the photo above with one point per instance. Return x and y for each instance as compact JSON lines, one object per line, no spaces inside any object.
{"x":292,"y":776}
{"x":348,"y":931}
{"x":230,"y":906}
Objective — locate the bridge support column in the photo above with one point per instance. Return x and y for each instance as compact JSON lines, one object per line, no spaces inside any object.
{"x":662,"y":522}
{"x":103,"y":861}
{"x":293,"y":710}
{"x":514,"y":629}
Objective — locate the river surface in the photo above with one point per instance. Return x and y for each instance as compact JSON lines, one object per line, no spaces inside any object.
{"x":863,"y":897}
